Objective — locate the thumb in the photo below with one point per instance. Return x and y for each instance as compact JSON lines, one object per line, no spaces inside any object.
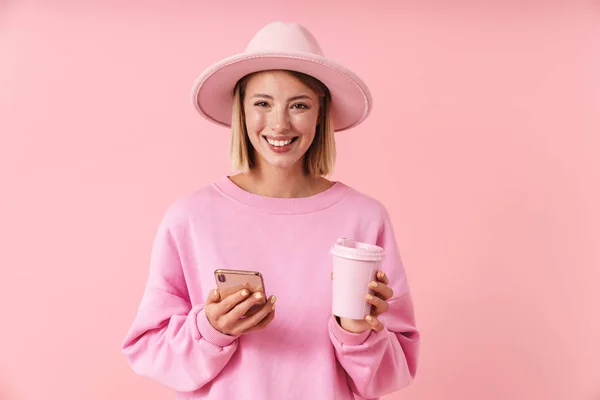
{"x":213,"y":297}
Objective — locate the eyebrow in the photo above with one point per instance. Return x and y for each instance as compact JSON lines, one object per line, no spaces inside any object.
{"x":302,"y":96}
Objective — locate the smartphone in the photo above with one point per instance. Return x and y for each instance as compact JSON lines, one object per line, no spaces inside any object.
{"x":230,"y":281}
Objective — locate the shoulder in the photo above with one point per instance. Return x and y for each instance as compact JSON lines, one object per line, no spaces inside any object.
{"x":364,"y":203}
{"x":191,"y":205}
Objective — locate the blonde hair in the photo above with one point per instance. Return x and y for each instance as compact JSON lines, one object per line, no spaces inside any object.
{"x":320,"y":156}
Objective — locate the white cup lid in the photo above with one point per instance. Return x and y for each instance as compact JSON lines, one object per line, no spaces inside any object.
{"x":348,"y":248}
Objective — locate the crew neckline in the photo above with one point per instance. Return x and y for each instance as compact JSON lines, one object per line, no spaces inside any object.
{"x":280,"y":205}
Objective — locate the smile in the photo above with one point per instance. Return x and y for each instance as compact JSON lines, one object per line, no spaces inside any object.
{"x":280,"y":143}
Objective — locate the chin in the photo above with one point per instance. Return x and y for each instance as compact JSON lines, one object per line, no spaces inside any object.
{"x":282,"y":164}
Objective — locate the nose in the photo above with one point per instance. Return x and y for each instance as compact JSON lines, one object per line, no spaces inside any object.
{"x":280,"y":121}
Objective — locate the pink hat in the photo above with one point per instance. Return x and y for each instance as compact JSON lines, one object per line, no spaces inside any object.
{"x":286,"y":46}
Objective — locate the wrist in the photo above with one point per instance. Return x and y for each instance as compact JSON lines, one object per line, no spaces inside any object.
{"x":211,"y":334}
{"x":343,"y":337}
{"x":351,"y":325}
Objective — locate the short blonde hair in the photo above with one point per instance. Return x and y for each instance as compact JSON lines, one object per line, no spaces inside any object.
{"x":320,"y":156}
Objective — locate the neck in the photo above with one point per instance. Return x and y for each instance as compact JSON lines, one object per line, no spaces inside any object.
{"x":271,"y":181}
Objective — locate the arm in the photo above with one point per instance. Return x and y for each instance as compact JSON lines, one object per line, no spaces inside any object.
{"x":170,"y":340}
{"x":378,"y":363}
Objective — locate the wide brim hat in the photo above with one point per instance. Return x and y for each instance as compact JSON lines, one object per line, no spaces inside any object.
{"x":282,"y":46}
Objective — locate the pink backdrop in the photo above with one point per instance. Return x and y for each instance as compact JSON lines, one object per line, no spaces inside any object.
{"x":483,"y":143}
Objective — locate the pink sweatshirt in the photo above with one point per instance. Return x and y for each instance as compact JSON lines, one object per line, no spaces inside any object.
{"x":303,"y":353}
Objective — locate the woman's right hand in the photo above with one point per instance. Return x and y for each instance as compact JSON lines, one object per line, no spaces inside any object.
{"x":226,"y":315}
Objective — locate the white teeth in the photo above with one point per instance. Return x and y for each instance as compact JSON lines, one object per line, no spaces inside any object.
{"x":279,"y":143}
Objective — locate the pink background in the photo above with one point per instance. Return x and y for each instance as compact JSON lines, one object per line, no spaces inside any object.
{"x":483,"y":143}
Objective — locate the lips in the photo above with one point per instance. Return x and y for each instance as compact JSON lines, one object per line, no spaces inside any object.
{"x":280,"y":142}
{"x":280,"y":145}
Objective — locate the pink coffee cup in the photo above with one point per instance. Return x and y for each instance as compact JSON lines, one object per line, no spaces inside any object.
{"x":355,"y":265}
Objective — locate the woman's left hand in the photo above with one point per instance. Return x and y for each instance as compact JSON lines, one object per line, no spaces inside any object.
{"x":382,"y":293}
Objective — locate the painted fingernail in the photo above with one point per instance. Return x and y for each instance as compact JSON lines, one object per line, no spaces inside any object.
{"x":258,"y":296}
{"x":373,"y":284}
{"x":381,"y":274}
{"x":369,"y":318}
{"x":273,"y":300}
{"x":369,"y":297}
{"x":244,"y":293}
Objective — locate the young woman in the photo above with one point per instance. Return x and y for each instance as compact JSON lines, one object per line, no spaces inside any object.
{"x":278,"y":215}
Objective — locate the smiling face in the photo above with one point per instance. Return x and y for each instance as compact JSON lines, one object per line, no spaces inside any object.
{"x":281,"y":115}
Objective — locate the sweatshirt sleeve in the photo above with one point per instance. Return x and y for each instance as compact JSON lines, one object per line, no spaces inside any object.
{"x":171,"y":340}
{"x":379,"y":363}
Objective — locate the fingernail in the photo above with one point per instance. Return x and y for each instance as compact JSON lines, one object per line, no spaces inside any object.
{"x":244,"y":293}
{"x":216,"y":292}
{"x":369,"y":318}
{"x":273,"y":300}
{"x":381,"y":274}
{"x":373,"y":284}
{"x":273,"y":306}
{"x":369,"y":297}
{"x":258,"y":296}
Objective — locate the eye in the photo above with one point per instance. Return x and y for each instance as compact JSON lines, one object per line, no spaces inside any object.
{"x":261,"y":104}
{"x":300,"y":106}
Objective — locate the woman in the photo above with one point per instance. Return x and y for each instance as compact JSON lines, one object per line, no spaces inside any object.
{"x":279,"y":215}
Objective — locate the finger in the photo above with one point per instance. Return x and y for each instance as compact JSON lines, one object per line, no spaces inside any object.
{"x":262,"y":324}
{"x":382,"y":277}
{"x":381,"y":289}
{"x":213,"y":297}
{"x":259,"y":317}
{"x":256,"y":307}
{"x":228,"y":291}
{"x":229,"y":302}
{"x":374,"y":323}
{"x":380,"y":305}
{"x":242,"y":308}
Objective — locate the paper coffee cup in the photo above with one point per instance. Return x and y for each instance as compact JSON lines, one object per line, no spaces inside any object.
{"x":355,"y":265}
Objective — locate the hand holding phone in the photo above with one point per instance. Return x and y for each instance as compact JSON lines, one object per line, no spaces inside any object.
{"x":230,"y":281}
{"x":239,"y":305}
